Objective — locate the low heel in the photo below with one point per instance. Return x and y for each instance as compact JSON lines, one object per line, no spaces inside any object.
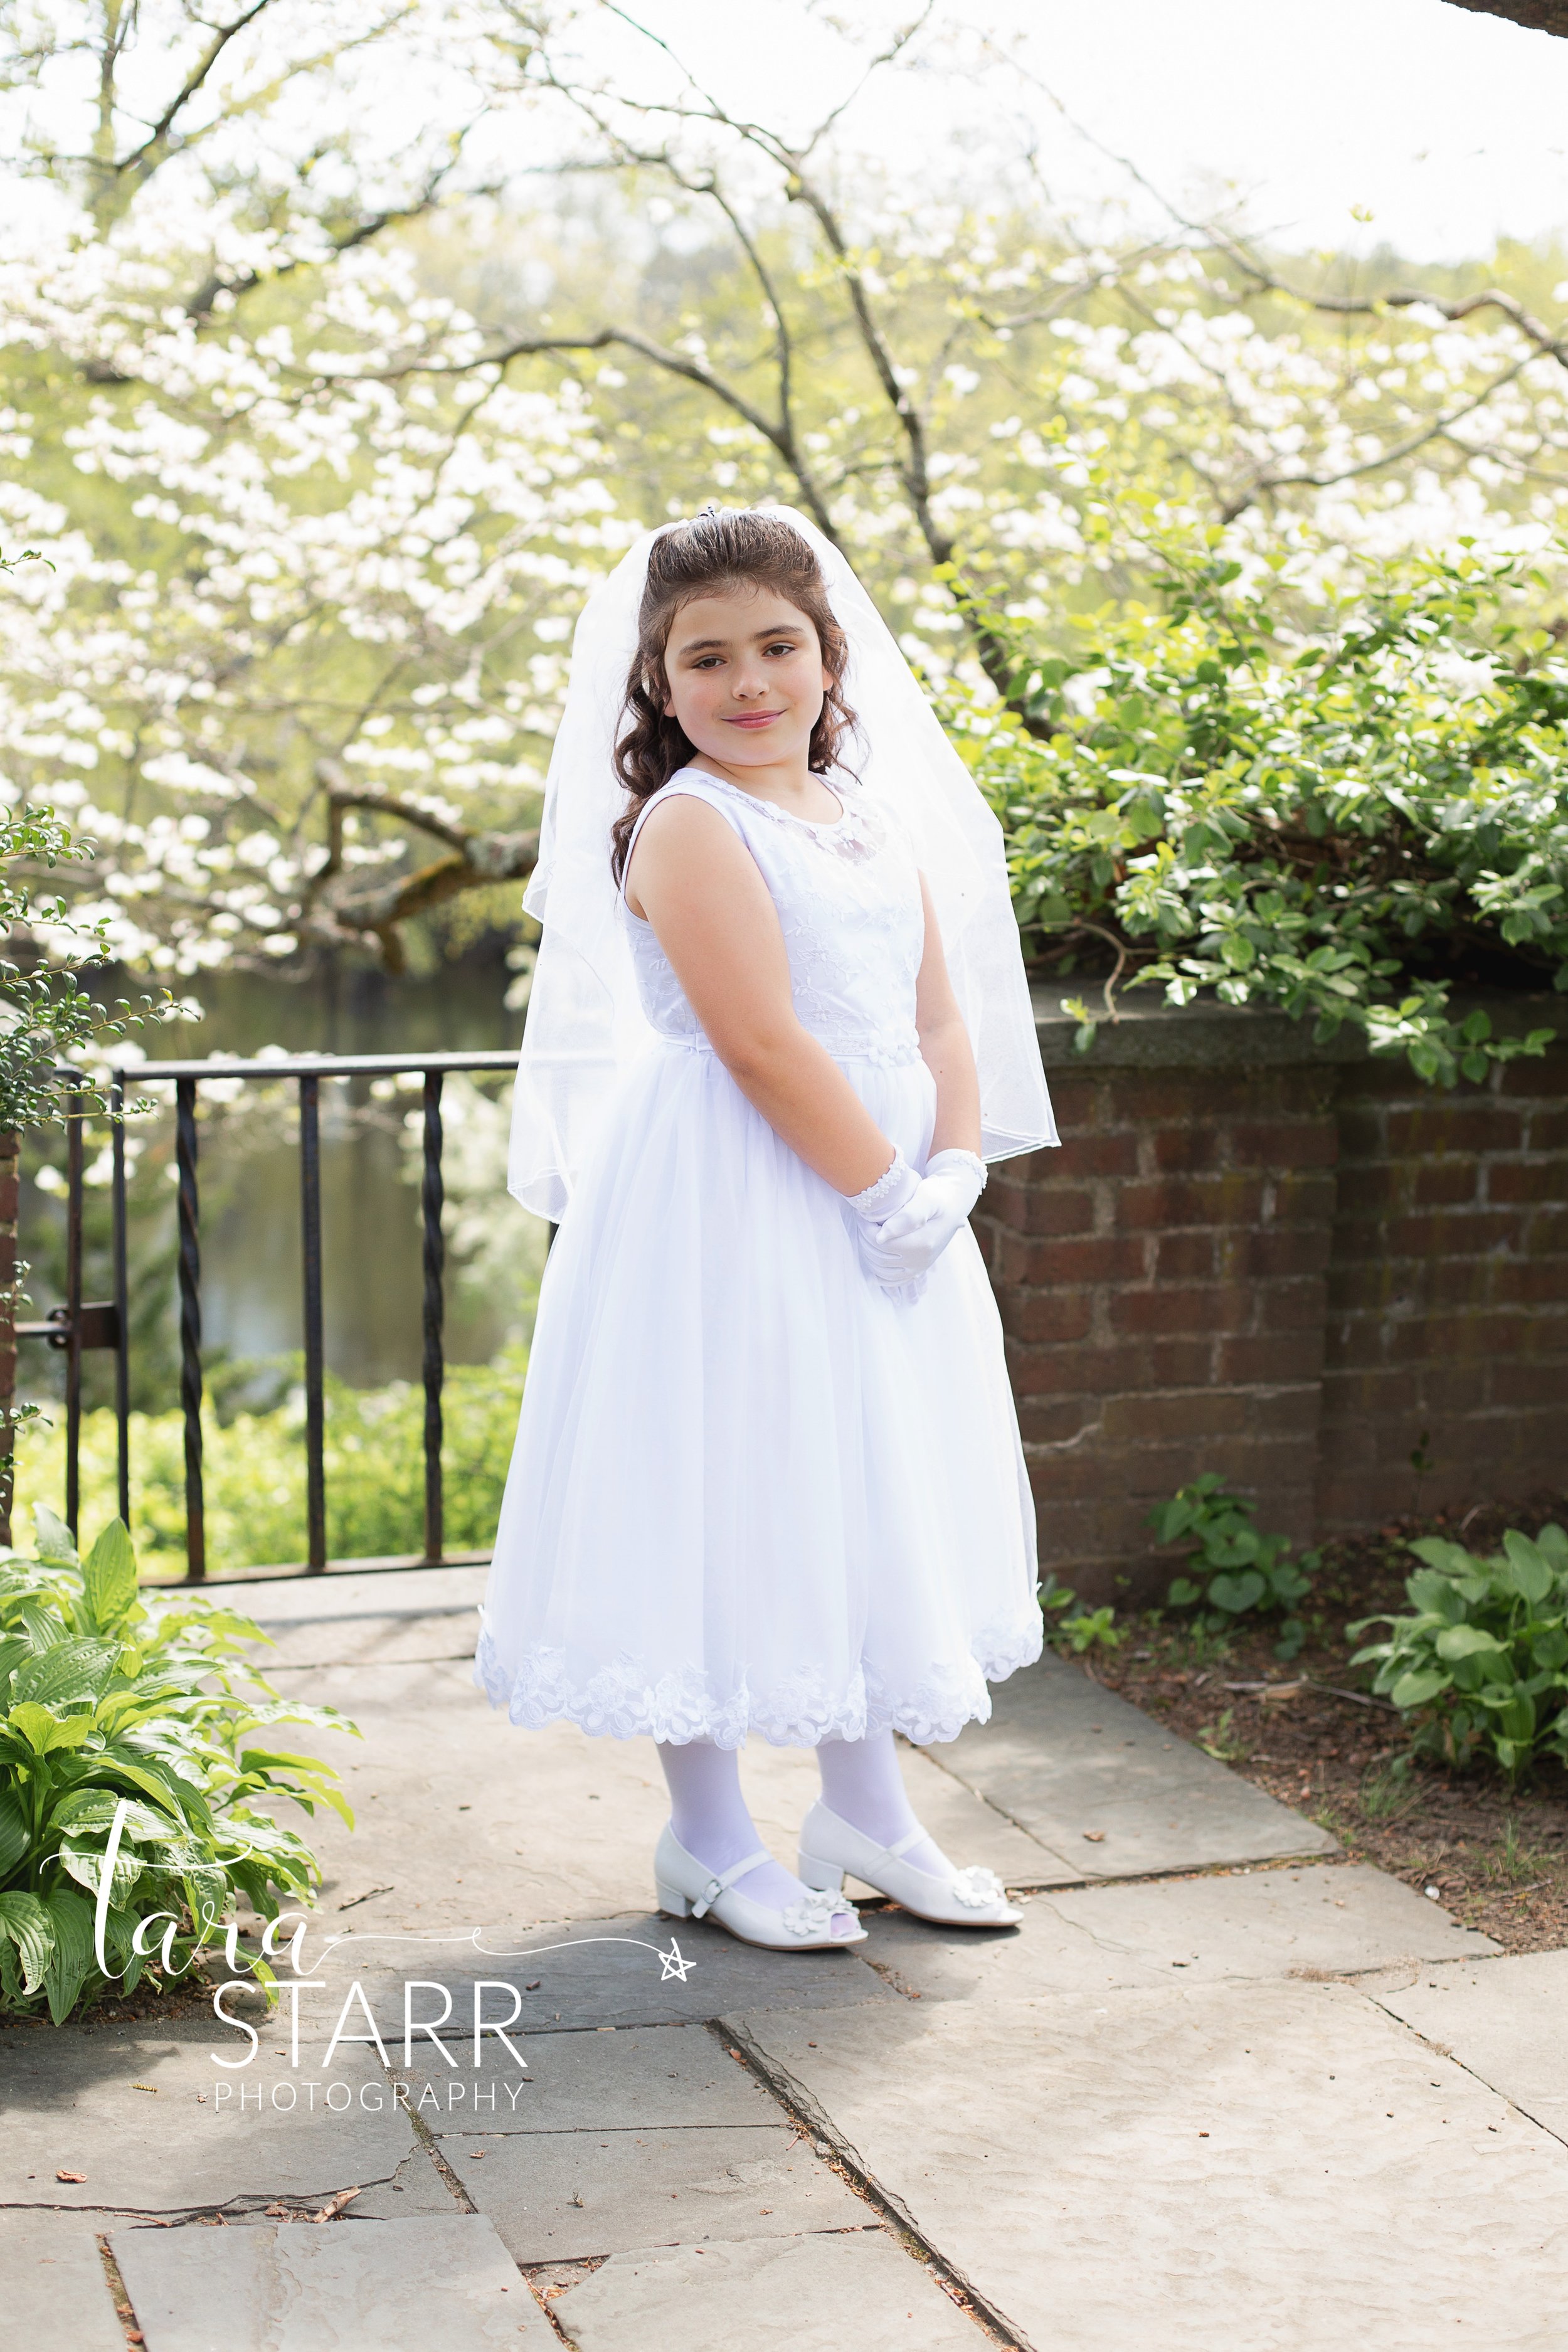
{"x":826,"y":1877}
{"x":669,"y":1900}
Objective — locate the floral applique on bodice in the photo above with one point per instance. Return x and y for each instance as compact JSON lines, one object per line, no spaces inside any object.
{"x":848,"y":899}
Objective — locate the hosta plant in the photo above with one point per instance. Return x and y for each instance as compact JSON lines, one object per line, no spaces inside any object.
{"x":1232,"y":1571}
{"x":107,"y":1697}
{"x":1480,"y":1666}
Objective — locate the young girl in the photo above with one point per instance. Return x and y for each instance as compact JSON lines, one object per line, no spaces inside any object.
{"x":767,"y":1474}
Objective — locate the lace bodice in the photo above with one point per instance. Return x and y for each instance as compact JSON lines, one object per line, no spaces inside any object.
{"x":848,"y":901}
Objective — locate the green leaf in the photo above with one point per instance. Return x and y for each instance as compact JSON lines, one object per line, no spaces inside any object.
{"x":28,"y":1924}
{"x":144,"y":1776}
{"x":52,"y":1536}
{"x":44,"y":1731}
{"x":1237,"y":1594}
{"x":85,"y":1865}
{"x":1456,"y":1642}
{"x":1183,"y":1593}
{"x":82,"y":1811}
{"x":1552,"y":1540}
{"x":108,"y":1575}
{"x":1435,"y":1596}
{"x":1451,"y":1559}
{"x":70,"y":1671}
{"x":1413,"y":1690}
{"x":14,"y":1836}
{"x":71,"y":1915}
{"x":1533,"y":1573}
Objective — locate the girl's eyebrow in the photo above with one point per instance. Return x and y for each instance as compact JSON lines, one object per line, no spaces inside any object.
{"x":758,"y":636}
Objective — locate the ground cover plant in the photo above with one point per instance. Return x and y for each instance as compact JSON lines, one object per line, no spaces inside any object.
{"x":114,"y":1710}
{"x":1476,"y":1664}
{"x":1232,"y":1571}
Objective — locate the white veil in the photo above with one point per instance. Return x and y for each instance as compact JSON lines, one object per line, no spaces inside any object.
{"x":585,"y":1024}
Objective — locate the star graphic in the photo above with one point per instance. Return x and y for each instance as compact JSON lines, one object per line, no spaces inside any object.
{"x":674,"y":1964}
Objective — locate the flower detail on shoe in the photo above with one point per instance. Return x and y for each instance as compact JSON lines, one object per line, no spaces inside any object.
{"x":977,"y":1889}
{"x":814,"y":1913}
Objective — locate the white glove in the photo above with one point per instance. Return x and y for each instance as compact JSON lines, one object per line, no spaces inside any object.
{"x":907,"y":1244}
{"x":897,"y":1185}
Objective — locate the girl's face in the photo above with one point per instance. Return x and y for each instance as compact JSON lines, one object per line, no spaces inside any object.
{"x":746,"y":679}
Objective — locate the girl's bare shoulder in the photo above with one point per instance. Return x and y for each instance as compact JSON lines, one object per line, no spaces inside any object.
{"x":685,"y":834}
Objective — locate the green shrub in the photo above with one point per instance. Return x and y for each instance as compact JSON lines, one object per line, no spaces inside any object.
{"x":1481,"y":1665}
{"x":254,"y":1471}
{"x":104,"y":1699}
{"x":1232,"y":1571}
{"x":1341,"y":809}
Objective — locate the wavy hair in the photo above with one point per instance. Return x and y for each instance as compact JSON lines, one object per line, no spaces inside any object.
{"x":718,"y":551}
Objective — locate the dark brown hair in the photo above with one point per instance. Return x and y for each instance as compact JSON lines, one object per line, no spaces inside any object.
{"x":720,"y":550}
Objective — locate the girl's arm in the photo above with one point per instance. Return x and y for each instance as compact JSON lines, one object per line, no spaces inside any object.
{"x":699,"y":886}
{"x":945,"y":1046}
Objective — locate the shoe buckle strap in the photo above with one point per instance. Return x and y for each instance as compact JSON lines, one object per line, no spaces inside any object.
{"x":721,"y":1881}
{"x":904,"y":1843}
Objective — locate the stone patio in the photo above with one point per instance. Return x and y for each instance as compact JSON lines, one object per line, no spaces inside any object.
{"x":1158,"y":2113}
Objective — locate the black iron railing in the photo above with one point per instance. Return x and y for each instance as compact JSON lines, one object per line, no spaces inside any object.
{"x":80,"y":1325}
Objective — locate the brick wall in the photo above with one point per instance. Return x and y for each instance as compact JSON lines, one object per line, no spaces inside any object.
{"x":1289,"y":1266}
{"x":1448,"y":1305}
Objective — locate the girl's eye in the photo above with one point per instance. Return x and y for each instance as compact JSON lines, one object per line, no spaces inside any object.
{"x":783,"y":648}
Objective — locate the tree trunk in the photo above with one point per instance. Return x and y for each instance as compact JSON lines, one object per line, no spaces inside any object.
{"x":10,"y":1163}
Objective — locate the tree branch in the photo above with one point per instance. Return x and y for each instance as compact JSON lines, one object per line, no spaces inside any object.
{"x":157,"y":138}
{"x":475,"y":860}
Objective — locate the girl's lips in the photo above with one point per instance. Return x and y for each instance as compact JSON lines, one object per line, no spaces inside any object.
{"x":754,"y":718}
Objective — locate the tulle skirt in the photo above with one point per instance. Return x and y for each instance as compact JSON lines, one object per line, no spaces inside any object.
{"x":751,"y":1491}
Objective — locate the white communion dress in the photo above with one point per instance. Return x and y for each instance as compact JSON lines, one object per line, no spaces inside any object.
{"x":752,"y":1491}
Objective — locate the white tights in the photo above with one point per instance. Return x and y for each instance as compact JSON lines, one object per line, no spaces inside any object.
{"x":861,"y":1782}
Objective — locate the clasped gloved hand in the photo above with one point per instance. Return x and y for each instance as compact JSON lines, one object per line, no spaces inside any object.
{"x":905,"y":1228}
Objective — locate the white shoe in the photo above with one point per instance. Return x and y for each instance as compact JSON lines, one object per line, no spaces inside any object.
{"x":688,"y":1888}
{"x":974,"y":1897}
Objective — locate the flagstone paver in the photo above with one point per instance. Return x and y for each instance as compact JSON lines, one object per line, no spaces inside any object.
{"x":555,"y":2196}
{"x":157,"y":2126}
{"x":663,"y":2078}
{"x":821,"y":2294}
{"x":1338,"y":1919}
{"x":595,"y":1973}
{"x":55,"y":2289}
{"x":447,"y":2285}
{"x":418,"y":2186}
{"x":364,"y":1618}
{"x":1097,"y":1781}
{"x":1268,"y":2164}
{"x":1046,"y":1954}
{"x":1507,"y":2021}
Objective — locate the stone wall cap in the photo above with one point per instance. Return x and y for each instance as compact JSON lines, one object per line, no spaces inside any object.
{"x":1149,"y":1034}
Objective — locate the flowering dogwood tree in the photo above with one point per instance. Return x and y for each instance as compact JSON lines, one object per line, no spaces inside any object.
{"x":342,"y":348}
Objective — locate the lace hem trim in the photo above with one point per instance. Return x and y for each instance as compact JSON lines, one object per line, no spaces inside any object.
{"x":625,"y":1701}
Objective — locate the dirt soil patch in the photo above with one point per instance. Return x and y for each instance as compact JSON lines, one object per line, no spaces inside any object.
{"x":1309,"y":1732}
